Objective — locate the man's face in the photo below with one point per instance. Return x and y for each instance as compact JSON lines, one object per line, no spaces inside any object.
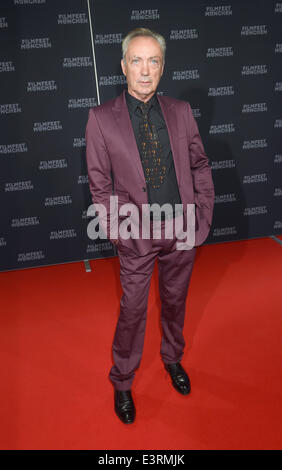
{"x":143,"y":67}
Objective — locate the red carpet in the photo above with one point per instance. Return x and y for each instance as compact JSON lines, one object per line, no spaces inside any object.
{"x":57,"y":325}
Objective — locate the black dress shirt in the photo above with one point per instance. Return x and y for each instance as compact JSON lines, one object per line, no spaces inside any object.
{"x":168,"y":191}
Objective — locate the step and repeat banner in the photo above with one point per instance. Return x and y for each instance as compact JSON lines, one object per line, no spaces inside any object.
{"x":47,"y":86}
{"x":222,"y":57}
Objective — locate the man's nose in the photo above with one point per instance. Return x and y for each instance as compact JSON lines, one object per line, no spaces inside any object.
{"x":145,"y":68}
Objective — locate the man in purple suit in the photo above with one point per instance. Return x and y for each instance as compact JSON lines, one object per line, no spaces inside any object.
{"x":146,"y":150}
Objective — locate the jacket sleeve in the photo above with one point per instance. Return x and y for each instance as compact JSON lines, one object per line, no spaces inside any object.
{"x":202,"y":180}
{"x":99,"y":171}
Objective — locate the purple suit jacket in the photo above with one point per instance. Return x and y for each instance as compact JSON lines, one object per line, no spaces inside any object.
{"x":115,"y":168}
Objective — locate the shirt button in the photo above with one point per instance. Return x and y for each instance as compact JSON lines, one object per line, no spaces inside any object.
{"x":144,"y":189}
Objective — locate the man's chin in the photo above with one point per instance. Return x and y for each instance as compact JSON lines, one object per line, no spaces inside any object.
{"x":146,"y":91}
{"x":142,"y":93}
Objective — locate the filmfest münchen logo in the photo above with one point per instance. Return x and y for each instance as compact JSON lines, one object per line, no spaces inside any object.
{"x":82,"y":179}
{"x":277,"y":192}
{"x":222,"y":129}
{"x":221,"y":91}
{"x":224,"y":198}
{"x":186,"y":75}
{"x":224,"y":231}
{"x":278,"y":158}
{"x":36,"y":43}
{"x":12,"y":108}
{"x":145,"y":15}
{"x":111,"y":38}
{"x":3,"y":23}
{"x":52,"y":164}
{"x":254,"y":108}
{"x":254,"y":70}
{"x":254,"y":144}
{"x":277,"y":224}
{"x":112,"y":80}
{"x":29,"y":2}
{"x":223,"y":164}
{"x":104,"y":246}
{"x":19,"y":186}
{"x":59,"y":234}
{"x":77,"y":62}
{"x":260,"y":178}
{"x":72,"y":18}
{"x":45,"y":85}
{"x":79,"y":142}
{"x":223,"y":10}
{"x":2,"y":241}
{"x":58,"y":200}
{"x":47,"y":126}
{"x":13,"y":148}
{"x":258,"y":30}
{"x":24,"y":221}
{"x":219,"y":52}
{"x":179,"y":34}
{"x":75,"y":103}
{"x":196,"y":112}
{"x":31,"y":256}
{"x":257,"y":210}
{"x":7,"y":67}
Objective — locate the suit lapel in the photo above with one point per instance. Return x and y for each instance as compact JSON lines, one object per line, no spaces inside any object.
{"x":122,"y":117}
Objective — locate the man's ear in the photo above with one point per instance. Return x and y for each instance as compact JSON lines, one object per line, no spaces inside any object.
{"x":123,"y":67}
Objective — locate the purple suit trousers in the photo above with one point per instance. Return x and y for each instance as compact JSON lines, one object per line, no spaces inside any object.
{"x":175,"y":268}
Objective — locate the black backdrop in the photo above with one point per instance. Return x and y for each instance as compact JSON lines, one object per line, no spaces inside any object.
{"x":224,"y":57}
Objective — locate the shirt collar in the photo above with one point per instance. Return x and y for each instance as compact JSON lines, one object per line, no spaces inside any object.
{"x":133,"y":102}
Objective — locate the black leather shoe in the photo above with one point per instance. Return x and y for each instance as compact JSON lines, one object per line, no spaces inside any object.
{"x":124,"y":406}
{"x":179,"y":378}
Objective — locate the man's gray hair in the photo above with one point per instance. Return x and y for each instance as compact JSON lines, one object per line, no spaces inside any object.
{"x":143,"y":32}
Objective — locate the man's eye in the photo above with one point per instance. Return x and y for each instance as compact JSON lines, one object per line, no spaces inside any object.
{"x":135,"y":61}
